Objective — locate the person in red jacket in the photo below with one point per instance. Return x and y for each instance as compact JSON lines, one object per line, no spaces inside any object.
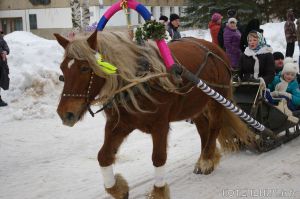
{"x":214,"y":26}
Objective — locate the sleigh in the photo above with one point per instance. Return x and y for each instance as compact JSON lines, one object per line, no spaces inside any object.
{"x":249,"y":97}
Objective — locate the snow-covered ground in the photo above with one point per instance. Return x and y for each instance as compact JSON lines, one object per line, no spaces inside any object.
{"x":40,"y":158}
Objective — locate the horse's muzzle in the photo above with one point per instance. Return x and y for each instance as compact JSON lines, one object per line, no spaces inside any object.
{"x":68,"y":118}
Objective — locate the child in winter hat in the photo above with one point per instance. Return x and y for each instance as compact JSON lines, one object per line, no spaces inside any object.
{"x":285,"y":84}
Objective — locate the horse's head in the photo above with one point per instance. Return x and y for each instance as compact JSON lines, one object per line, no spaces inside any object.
{"x":81,"y":85}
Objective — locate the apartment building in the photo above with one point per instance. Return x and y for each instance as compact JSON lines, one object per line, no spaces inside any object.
{"x":43,"y":17}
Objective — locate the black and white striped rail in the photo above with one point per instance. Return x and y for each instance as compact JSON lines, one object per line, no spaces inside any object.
{"x":226,"y":103}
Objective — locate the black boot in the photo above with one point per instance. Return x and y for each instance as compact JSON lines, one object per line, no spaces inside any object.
{"x":2,"y":103}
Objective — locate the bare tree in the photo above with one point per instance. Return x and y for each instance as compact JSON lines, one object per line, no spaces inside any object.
{"x":76,"y":15}
{"x":85,"y":14}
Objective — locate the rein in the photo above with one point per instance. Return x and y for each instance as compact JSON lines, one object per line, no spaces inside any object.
{"x":99,"y":100}
{"x":128,"y":86}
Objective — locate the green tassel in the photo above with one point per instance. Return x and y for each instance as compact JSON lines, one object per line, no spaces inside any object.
{"x":106,"y":67}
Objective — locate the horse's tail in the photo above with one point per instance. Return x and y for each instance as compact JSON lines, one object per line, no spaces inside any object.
{"x":234,"y":132}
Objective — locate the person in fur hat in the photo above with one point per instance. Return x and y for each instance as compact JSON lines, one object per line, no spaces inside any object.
{"x":285,"y":84}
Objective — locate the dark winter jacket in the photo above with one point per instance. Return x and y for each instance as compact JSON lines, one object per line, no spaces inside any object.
{"x":266,"y":67}
{"x":173,"y":31}
{"x":253,"y":24}
{"x":232,"y":39}
{"x":290,"y":28}
{"x":4,"y":78}
{"x":298,"y":30}
{"x":4,"y":70}
{"x":3,"y":45}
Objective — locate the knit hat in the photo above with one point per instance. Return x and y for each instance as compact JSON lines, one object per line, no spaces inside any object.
{"x":278,"y":55}
{"x":290,"y":66}
{"x":232,"y":20}
{"x":174,"y":17}
{"x":231,"y":13}
{"x":163,"y":18}
{"x":216,"y":16}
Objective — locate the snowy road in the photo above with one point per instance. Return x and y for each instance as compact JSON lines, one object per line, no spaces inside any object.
{"x":43,"y":159}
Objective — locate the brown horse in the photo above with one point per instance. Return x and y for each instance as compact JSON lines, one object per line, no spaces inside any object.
{"x":148,"y":106}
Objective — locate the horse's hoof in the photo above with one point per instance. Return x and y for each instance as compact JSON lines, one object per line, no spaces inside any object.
{"x":205,"y":172}
{"x":126,"y":196}
{"x":120,"y":190}
{"x":197,"y":171}
{"x":159,"y":193}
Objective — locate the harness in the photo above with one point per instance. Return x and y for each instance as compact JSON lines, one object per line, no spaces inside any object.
{"x":147,"y":78}
{"x":201,"y":67}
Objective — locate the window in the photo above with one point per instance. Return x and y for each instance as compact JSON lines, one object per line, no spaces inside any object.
{"x":162,"y":10}
{"x":172,"y":10}
{"x":40,"y":2}
{"x":152,"y":10}
{"x":18,"y":25}
{"x":11,"y":24}
{"x":32,"y":21}
{"x":180,"y":11}
{"x":139,"y":19}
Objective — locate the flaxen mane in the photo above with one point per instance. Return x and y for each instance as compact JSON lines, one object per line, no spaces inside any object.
{"x":118,"y":49}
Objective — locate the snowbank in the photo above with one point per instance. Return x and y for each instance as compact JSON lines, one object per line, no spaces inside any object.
{"x":34,"y":70}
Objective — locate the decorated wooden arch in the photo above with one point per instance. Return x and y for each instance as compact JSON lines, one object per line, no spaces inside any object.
{"x":143,"y":11}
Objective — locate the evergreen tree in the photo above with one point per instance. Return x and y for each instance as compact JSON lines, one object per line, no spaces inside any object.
{"x":278,"y":9}
{"x":198,"y":12}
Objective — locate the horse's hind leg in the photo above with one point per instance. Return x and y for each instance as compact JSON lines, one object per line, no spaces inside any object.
{"x":116,"y":186}
{"x":208,"y":125}
{"x":159,"y":135}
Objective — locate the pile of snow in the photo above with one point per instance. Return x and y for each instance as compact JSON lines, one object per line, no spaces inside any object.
{"x":34,"y":70}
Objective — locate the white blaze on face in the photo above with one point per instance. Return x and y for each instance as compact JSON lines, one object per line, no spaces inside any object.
{"x":70,"y":63}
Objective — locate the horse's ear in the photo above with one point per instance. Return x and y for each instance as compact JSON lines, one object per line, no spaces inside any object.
{"x":92,"y":40}
{"x":61,"y":40}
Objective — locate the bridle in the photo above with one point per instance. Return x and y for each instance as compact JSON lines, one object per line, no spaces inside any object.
{"x":86,"y":95}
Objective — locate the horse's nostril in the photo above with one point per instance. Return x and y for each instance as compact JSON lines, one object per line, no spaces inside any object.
{"x":61,"y":78}
{"x":70,"y":116}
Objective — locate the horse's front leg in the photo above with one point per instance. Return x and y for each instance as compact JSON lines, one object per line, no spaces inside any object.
{"x":159,"y":157}
{"x":115,"y":185}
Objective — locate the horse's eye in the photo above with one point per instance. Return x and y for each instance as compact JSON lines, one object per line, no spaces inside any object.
{"x":61,"y":78}
{"x":84,"y":69}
